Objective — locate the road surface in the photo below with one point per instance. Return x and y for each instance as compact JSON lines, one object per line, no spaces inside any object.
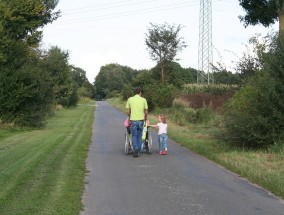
{"x":180,"y":183}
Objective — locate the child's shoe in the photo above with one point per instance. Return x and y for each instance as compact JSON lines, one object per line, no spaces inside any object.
{"x":166,"y":151}
{"x":161,"y":152}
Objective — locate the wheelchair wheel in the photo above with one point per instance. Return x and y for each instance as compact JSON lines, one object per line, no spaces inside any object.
{"x":150,"y":143}
{"x":126,"y":144}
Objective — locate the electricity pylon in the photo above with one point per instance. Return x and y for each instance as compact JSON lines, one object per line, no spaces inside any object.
{"x":205,"y":53}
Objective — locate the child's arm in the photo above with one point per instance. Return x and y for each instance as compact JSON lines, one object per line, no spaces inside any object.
{"x":154,"y":126}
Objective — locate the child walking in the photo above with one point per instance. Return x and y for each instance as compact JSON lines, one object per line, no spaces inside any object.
{"x":162,"y":134}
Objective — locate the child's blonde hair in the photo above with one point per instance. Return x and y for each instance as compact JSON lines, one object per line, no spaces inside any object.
{"x":163,"y":118}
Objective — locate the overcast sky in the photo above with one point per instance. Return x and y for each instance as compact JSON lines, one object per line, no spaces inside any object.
{"x":99,"y":32}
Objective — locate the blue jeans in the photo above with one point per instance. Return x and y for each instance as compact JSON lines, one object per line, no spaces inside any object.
{"x":163,"y":141}
{"x":136,"y":131}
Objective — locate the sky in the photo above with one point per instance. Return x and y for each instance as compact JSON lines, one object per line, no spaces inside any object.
{"x":100,"y":32}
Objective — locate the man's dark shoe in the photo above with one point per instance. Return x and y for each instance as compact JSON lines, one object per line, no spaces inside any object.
{"x":135,"y":153}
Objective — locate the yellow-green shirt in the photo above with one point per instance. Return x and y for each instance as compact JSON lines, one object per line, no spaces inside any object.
{"x":137,"y":105}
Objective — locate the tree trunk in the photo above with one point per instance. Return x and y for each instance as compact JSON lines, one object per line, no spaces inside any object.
{"x":281,"y":18}
{"x":162,"y":72}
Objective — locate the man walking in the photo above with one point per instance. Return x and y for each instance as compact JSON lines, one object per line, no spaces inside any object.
{"x":137,"y":110}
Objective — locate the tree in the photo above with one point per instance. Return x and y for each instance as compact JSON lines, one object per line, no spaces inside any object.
{"x":254,"y":115}
{"x":78,"y":75}
{"x":264,"y":12}
{"x":65,"y":88}
{"x":176,"y":75}
{"x":19,"y":26}
{"x":163,"y":43}
{"x":26,"y":94}
{"x":111,"y":80}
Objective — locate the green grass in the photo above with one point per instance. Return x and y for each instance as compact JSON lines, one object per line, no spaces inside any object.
{"x":262,"y":167}
{"x":43,"y":171}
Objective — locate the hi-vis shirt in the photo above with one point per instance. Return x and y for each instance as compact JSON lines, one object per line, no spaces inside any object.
{"x":137,"y":105}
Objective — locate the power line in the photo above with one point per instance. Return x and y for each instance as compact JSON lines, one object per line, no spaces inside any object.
{"x":117,"y":5}
{"x":130,"y":13}
{"x":102,"y":7}
{"x":191,"y":3}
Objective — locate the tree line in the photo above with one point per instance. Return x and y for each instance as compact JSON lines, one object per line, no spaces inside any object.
{"x":33,"y":80}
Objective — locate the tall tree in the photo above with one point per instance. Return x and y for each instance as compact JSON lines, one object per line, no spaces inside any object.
{"x":163,"y":43}
{"x":65,"y":88}
{"x":264,"y":12}
{"x":110,"y":80}
{"x":78,"y":75}
{"x":20,"y":23}
{"x":25,"y":87}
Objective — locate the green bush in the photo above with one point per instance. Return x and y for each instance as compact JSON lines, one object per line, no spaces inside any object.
{"x":127,"y":91}
{"x":204,"y":115}
{"x":182,"y":115}
{"x":160,"y":95}
{"x":26,"y":95}
{"x":254,"y":116}
{"x":250,"y":117}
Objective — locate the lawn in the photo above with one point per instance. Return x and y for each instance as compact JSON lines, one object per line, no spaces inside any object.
{"x":43,"y":170}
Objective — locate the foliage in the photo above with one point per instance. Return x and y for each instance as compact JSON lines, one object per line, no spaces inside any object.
{"x":78,"y":75}
{"x":250,"y":115}
{"x":26,"y":95}
{"x":163,"y":43}
{"x":127,"y":91}
{"x":65,"y":88}
{"x":248,"y":64}
{"x":175,"y":75}
{"x":218,"y":89}
{"x":252,"y":59}
{"x":25,"y":86}
{"x":114,"y":79}
{"x":160,"y":95}
{"x":86,"y":90}
{"x":182,"y":114}
{"x":19,"y":24}
{"x":258,"y":11}
{"x":226,"y":77}
{"x":262,"y":12}
{"x":143,"y":78}
{"x":111,"y":80}
{"x":254,"y":116}
{"x":204,"y":115}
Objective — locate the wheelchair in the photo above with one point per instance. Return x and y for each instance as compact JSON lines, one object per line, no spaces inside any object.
{"x":146,"y":141}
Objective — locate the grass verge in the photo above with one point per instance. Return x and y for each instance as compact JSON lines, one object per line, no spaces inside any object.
{"x":261,"y":167}
{"x":43,"y":171}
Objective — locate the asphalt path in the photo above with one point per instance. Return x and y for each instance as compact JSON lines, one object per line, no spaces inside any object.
{"x":180,"y":183}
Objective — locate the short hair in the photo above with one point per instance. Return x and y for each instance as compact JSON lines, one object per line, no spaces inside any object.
{"x":137,"y":90}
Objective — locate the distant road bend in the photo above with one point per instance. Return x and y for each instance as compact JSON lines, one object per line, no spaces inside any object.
{"x":180,"y":183}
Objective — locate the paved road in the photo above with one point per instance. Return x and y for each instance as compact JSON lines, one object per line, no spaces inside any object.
{"x":180,"y":183}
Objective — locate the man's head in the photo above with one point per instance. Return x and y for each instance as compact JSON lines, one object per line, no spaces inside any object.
{"x":137,"y":90}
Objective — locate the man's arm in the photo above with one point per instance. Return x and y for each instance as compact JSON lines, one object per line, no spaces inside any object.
{"x":145,"y":109}
{"x":128,"y":108}
{"x":145,"y":113}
